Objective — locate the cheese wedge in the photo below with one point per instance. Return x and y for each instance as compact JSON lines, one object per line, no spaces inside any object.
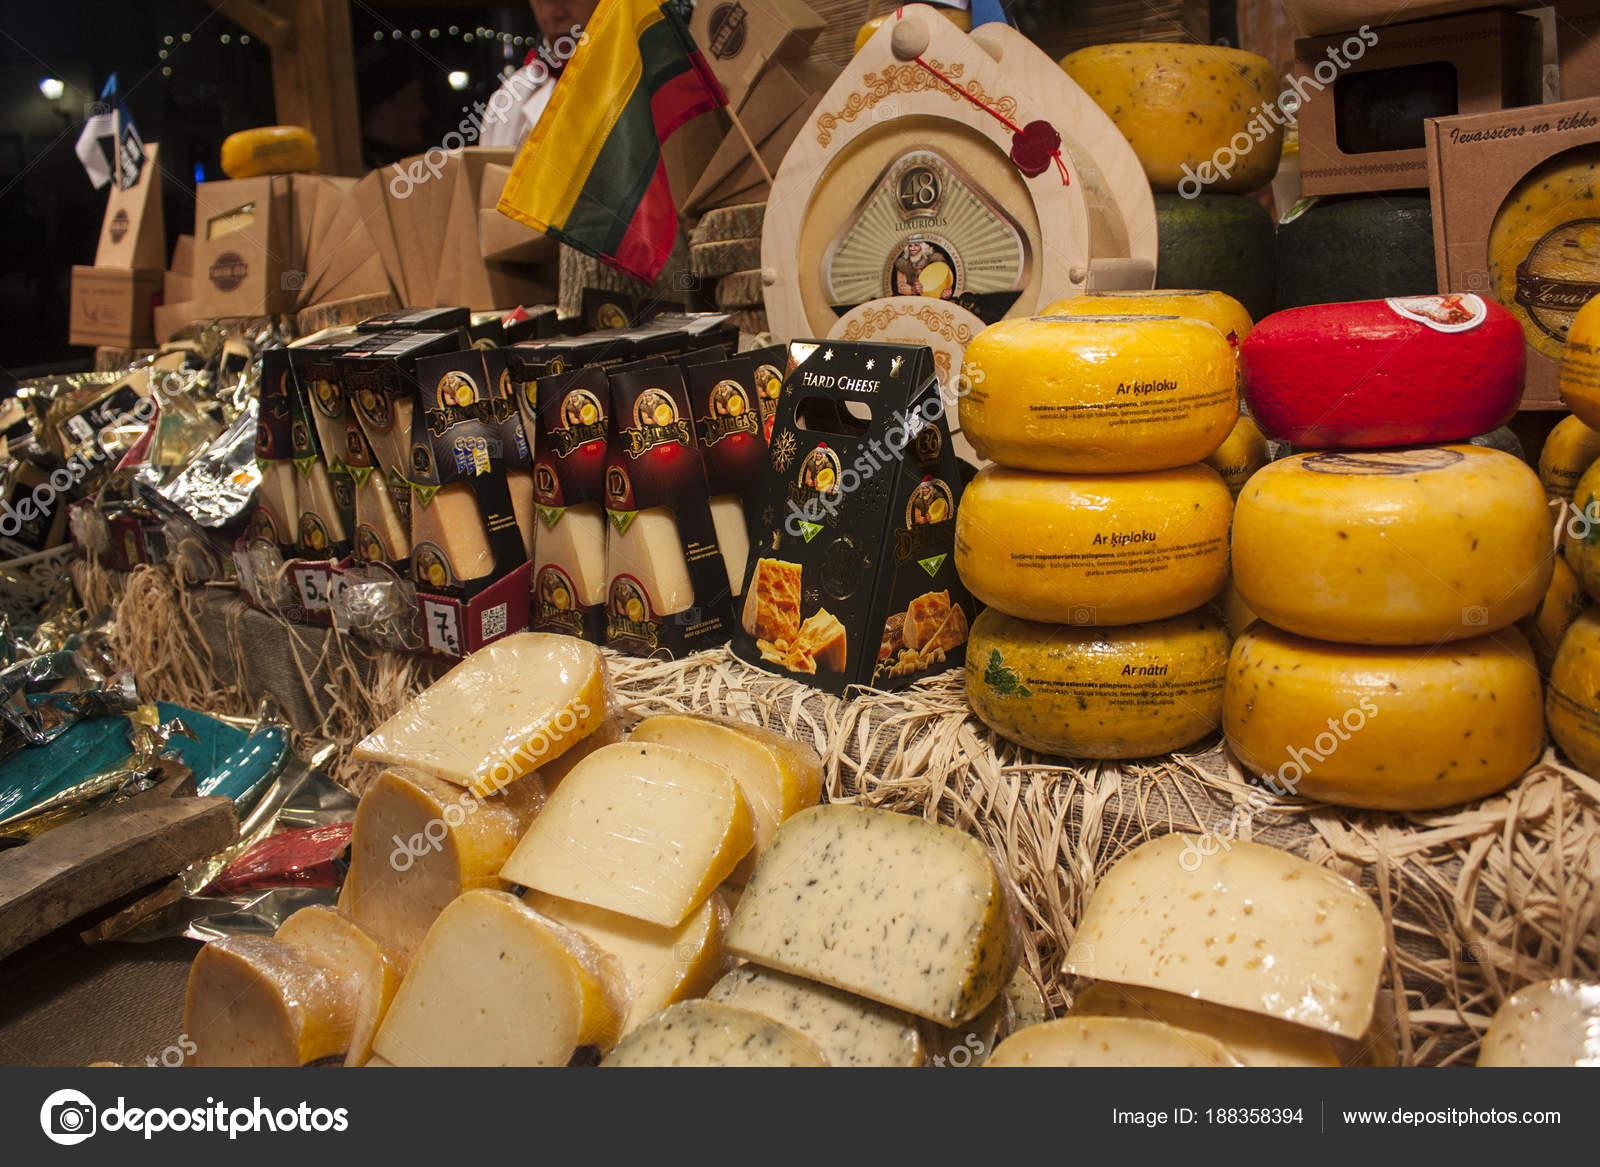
{"x":772,"y":605}
{"x":319,"y":525}
{"x":848,"y":1030}
{"x":253,"y":1001}
{"x":381,"y":534}
{"x":449,"y":543}
{"x":1027,"y":1000}
{"x":418,"y":842}
{"x":733,"y":537}
{"x":496,"y":984}
{"x":347,"y":950}
{"x":777,"y":777}
{"x":651,"y":552}
{"x":607,"y":733}
{"x":502,"y":713}
{"x":1253,"y":1039}
{"x":1109,"y":1041}
{"x":1237,"y":924}
{"x":840,"y":897}
{"x":391,"y":444}
{"x":1552,"y":1023}
{"x":637,"y":828}
{"x":519,"y":482}
{"x":659,"y":966}
{"x":702,"y":1033}
{"x":277,"y":505}
{"x":577,"y":545}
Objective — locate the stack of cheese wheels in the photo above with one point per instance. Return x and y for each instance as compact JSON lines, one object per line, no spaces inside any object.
{"x":1100,"y":534}
{"x":1388,"y":566}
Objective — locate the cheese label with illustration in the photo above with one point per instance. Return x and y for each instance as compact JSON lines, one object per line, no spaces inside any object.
{"x":1453,"y":312}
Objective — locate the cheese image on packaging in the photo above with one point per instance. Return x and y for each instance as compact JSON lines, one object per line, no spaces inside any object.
{"x":1110,"y":1041}
{"x":1339,"y":722}
{"x":509,"y":708}
{"x":497,"y":984}
{"x":649,"y":551}
{"x":381,"y":534}
{"x":777,"y":777}
{"x":1084,"y":692}
{"x":1572,"y":706}
{"x":848,"y":1030}
{"x":1217,"y":309}
{"x":1253,"y":1039}
{"x":659,"y":966}
{"x":1102,"y":549}
{"x":1099,"y":394}
{"x":1551,"y":1023}
{"x":772,"y":605}
{"x":253,"y":1001}
{"x":1571,"y":448}
{"x":1250,"y":927}
{"x":449,"y":543}
{"x":733,"y":537}
{"x":837,"y":899}
{"x":319,"y":524}
{"x":576,"y":543}
{"x":1393,"y":546}
{"x":704,"y":1033}
{"x":277,"y":502}
{"x":347,"y":950}
{"x":418,"y":842}
{"x":637,"y":828}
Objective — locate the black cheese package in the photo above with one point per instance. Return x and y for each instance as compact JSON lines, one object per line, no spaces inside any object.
{"x":727,"y":424}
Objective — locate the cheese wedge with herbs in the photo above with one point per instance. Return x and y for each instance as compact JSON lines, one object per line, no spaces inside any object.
{"x":704,"y":1033}
{"x":1253,"y":1039}
{"x":849,"y":1030}
{"x":1109,"y":1041}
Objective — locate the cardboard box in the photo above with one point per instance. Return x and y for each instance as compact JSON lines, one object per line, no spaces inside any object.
{"x":1577,"y":34}
{"x":739,"y":37}
{"x":176,"y":287}
{"x":132,"y":234}
{"x":777,"y":107}
{"x":243,"y":240}
{"x":172,"y":318}
{"x":1363,"y":131}
{"x":183,"y":256}
{"x":113,"y":306}
{"x":1474,"y":163}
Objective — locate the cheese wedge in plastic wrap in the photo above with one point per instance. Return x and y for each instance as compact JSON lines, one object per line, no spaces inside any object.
{"x":254,"y":1001}
{"x":347,"y":950}
{"x":519,"y":482}
{"x":637,"y":828}
{"x":418,"y":842}
{"x":319,"y":525}
{"x":1551,"y":1023}
{"x":509,"y":708}
{"x":1109,"y":1041}
{"x":660,"y":966}
{"x":842,"y":896}
{"x":577,"y":545}
{"x":1253,"y":1039}
{"x":848,"y":1030}
{"x":607,"y":733}
{"x":497,"y":984}
{"x":277,"y":502}
{"x":778,"y":777}
{"x":703,"y":1033}
{"x":380,"y":531}
{"x":1246,"y":926}
{"x":733,"y":538}
{"x":651,"y":551}
{"x":450,"y":528}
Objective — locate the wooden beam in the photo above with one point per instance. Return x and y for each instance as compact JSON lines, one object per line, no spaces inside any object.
{"x":258,"y":20}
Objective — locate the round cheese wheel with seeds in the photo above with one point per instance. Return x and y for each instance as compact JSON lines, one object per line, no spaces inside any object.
{"x":1411,"y":546}
{"x":1572,"y":707}
{"x":1562,"y":603}
{"x":1382,"y":727}
{"x":1571,"y":448}
{"x":1217,"y":309}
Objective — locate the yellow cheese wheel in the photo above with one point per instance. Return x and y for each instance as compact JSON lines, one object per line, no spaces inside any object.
{"x":1241,"y":454}
{"x":1571,"y":448}
{"x":1193,"y":113}
{"x":1217,"y":309}
{"x":1094,"y":549}
{"x":1410,"y":546}
{"x":1580,"y":531}
{"x":1390,"y":728}
{"x":1236,"y":614}
{"x":1563,"y":602}
{"x":1579,"y":375}
{"x":269,"y":150}
{"x":1098,"y":394}
{"x":1546,"y":239}
{"x":1127,"y":692}
{"x":1572,"y":706}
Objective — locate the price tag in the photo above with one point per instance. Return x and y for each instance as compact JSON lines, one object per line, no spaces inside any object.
{"x":313,"y":589}
{"x":444,"y":632}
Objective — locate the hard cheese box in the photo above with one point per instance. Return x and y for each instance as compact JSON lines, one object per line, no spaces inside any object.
{"x":852,"y":579}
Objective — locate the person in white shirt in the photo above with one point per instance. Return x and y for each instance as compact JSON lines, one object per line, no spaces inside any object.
{"x":514,"y":109}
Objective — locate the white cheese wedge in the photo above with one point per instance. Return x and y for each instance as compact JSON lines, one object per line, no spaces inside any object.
{"x":496,"y":984}
{"x":450,"y":522}
{"x":253,"y":1001}
{"x":577,"y":545}
{"x":347,"y":950}
{"x":849,"y":1030}
{"x":1552,"y":1023}
{"x":607,"y":733}
{"x":502,"y":713}
{"x":1109,"y":1041}
{"x":702,"y":1033}
{"x":733,"y":537}
{"x":779,"y":777}
{"x":376,"y":512}
{"x":1253,"y":1039}
{"x":519,"y":482}
{"x":651,"y":551}
{"x":660,"y":966}
{"x":1027,"y":1001}
{"x":418,"y":842}
{"x":392,"y":446}
{"x":637,"y":828}
{"x":896,"y":909}
{"x":278,"y":498}
{"x":1246,"y":926}
{"x":319,"y":513}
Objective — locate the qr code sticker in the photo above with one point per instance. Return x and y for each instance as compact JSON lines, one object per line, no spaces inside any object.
{"x":494,"y":622}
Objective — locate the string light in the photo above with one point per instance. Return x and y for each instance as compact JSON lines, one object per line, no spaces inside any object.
{"x":453,"y":32}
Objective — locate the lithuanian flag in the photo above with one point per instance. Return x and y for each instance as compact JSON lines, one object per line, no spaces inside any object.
{"x":591,"y":173}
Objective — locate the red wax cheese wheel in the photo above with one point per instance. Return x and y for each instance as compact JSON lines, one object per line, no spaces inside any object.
{"x":1405,"y":371}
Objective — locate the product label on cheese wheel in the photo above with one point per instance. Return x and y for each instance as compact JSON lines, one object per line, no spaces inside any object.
{"x":1454,"y":312}
{"x":1391,"y":462}
{"x":1119,"y":553}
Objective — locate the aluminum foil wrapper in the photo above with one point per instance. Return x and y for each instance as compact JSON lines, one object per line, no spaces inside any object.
{"x":25,"y":722}
{"x":218,"y":485}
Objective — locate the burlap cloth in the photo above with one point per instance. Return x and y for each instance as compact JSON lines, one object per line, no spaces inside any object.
{"x":1480,"y":899}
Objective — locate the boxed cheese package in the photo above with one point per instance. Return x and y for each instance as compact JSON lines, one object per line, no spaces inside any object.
{"x":242,"y":242}
{"x":277,"y":507}
{"x":667,"y":590}
{"x":851,"y":578}
{"x":114,"y":306}
{"x":727,"y":423}
{"x":323,"y":490}
{"x":739,"y":37}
